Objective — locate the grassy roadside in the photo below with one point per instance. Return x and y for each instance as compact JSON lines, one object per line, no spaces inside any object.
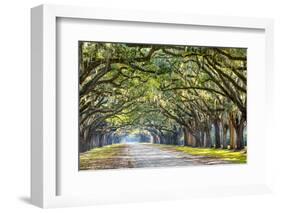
{"x":223,"y":154}
{"x":101,"y":156}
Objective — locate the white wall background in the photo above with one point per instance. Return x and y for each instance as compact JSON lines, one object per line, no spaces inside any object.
{"x":15,"y":105}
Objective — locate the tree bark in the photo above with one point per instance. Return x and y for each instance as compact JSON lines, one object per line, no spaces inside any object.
{"x":224,"y":138}
{"x":198,"y":139}
{"x":185,"y":136}
{"x":217,"y":134}
{"x":208,"y":143}
{"x":190,"y":140}
{"x":239,"y":132}
{"x":232,"y":134}
{"x":202,"y":138}
{"x":100,"y":144}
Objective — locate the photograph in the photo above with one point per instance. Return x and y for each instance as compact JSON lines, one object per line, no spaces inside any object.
{"x":154,"y":105}
{"x":140,"y":106}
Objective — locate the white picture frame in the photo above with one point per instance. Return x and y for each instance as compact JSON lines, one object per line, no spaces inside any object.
{"x":44,"y":153}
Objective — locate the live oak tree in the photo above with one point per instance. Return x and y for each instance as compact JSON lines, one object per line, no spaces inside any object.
{"x":195,"y":96}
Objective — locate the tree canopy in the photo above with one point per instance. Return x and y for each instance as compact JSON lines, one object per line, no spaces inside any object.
{"x":177,"y":94}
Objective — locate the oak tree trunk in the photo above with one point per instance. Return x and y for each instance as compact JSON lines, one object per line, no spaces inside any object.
{"x":208,"y":138}
{"x":185,"y":136}
{"x":217,"y":134}
{"x":224,"y":138}
{"x":232,"y":135}
{"x":239,"y":139}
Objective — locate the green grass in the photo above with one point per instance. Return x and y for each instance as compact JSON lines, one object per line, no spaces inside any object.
{"x":100,"y":153}
{"x":103,"y":152}
{"x":223,"y":154}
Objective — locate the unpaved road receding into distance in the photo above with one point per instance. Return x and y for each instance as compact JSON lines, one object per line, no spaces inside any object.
{"x":143,"y":155}
{"x":147,"y":155}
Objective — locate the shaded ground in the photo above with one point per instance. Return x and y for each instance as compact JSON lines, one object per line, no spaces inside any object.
{"x":108,"y":157}
{"x":139,"y":155}
{"x":223,"y":154}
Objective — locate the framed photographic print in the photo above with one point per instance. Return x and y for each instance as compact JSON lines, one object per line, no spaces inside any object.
{"x":132,"y":106}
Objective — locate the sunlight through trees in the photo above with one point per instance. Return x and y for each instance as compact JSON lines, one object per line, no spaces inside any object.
{"x":177,"y":95}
